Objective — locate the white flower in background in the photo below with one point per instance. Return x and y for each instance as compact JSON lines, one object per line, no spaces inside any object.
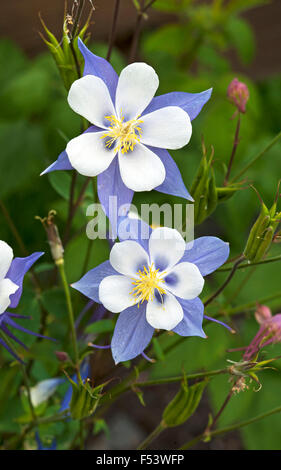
{"x":7,"y":287}
{"x":121,"y":129}
{"x":44,"y":390}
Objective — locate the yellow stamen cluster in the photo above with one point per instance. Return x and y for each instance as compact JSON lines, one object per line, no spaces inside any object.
{"x":127,"y":134}
{"x":148,"y":281}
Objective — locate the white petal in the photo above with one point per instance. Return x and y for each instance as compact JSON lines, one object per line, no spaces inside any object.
{"x":89,"y":97}
{"x":168,"y":128}
{"x":141,"y":169}
{"x":136,"y":87}
{"x":166,"y":247}
{"x":7,"y":288}
{"x":6,"y":257}
{"x":128,"y":257}
{"x":185,"y":281}
{"x":115,"y":293}
{"x":164,"y":315}
{"x":43,"y":390}
{"x":88,"y":154}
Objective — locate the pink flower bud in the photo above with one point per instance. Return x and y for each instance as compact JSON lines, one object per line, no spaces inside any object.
{"x":238,"y":94}
{"x":62,"y":356}
{"x":262,"y":313}
{"x":269,"y":333}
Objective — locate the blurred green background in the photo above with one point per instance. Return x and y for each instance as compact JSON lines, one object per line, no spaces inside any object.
{"x":193,"y":46}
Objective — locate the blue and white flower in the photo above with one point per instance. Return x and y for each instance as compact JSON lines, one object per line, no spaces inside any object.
{"x":126,"y":145}
{"x":12,"y":272}
{"x":154,"y":283}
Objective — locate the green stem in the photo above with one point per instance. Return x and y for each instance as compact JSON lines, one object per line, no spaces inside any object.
{"x":70,"y":316}
{"x":226,"y":282}
{"x":260,"y":154}
{"x":249,"y":306}
{"x":113,"y":30}
{"x":151,"y":437}
{"x":197,"y":375}
{"x":233,"y":427}
{"x":234,"y":148}
{"x":16,"y":441}
{"x":137,"y":29}
{"x":248,"y":265}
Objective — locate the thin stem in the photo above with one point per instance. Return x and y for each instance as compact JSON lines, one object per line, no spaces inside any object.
{"x":155,"y":433}
{"x":234,"y":148}
{"x":249,"y":265}
{"x":71,"y":199}
{"x":249,"y":306}
{"x":113,"y":29}
{"x":226,"y":282}
{"x":90,"y":242}
{"x":241,"y":286}
{"x":73,"y":34}
{"x":75,"y":206}
{"x":14,"y":442}
{"x":260,"y":154}
{"x":137,"y":29}
{"x":76,"y":62}
{"x":232,"y":427}
{"x":222,"y":408}
{"x":77,"y":19}
{"x":197,"y":375}
{"x":70,"y":315}
{"x":26,"y":382}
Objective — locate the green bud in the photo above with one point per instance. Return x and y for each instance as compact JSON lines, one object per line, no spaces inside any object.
{"x":262,"y":233}
{"x":224,"y":193}
{"x":84,"y":400}
{"x":66,"y":52}
{"x":183,"y":404}
{"x":203,"y":189}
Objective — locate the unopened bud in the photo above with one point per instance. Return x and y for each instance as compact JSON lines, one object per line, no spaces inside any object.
{"x":238,"y":94}
{"x":262,"y":313}
{"x":203,"y":190}
{"x":262,"y":232}
{"x":62,"y":356}
{"x":53,"y":237}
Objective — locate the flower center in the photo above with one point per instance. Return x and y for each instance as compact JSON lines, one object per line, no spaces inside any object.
{"x":126,"y":134}
{"x":149,"y":280}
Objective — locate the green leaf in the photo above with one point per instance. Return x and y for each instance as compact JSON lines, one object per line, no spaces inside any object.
{"x":99,"y":426}
{"x":61,"y":182}
{"x":101,"y":326}
{"x":183,"y":404}
{"x":158,"y":350}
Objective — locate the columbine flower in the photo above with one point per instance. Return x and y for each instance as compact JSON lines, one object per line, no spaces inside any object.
{"x":269,"y":332}
{"x":12,"y":272}
{"x":238,"y":94}
{"x":131,"y":129}
{"x":154,"y":284}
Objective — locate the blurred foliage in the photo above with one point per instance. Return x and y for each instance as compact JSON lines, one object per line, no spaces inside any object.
{"x":189,"y":55}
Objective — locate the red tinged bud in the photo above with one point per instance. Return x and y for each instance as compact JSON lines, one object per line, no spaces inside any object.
{"x":238,"y":94}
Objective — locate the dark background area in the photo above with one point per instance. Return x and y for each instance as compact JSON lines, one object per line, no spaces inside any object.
{"x":19,"y":21}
